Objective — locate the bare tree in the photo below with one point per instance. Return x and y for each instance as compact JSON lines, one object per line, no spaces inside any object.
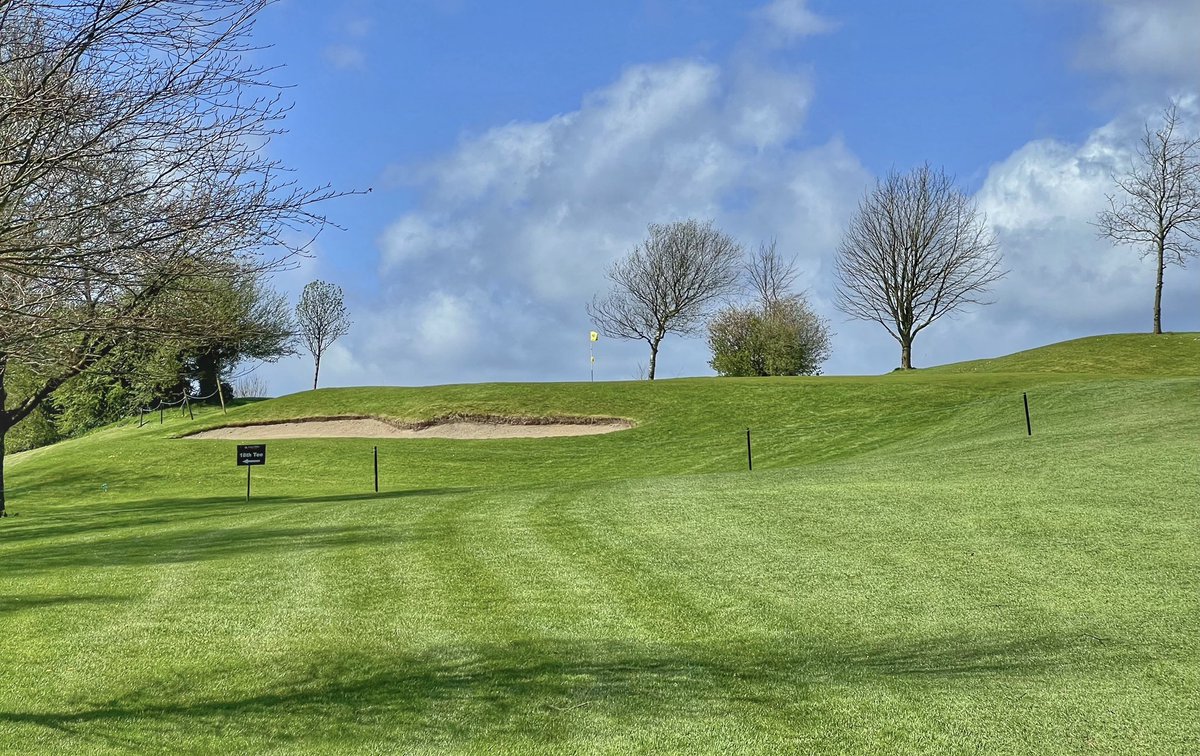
{"x":916,"y":250}
{"x":1158,"y":205}
{"x":668,"y":284}
{"x":132,"y":168}
{"x":321,"y":314}
{"x":768,"y":276}
{"x":250,"y":386}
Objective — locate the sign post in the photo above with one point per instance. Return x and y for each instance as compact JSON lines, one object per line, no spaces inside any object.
{"x":249,"y":455}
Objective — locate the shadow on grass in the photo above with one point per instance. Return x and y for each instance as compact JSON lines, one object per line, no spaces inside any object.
{"x":149,"y":533}
{"x":538,"y":691}
{"x":177,"y":546}
{"x":37,"y":523}
{"x":12,"y":604}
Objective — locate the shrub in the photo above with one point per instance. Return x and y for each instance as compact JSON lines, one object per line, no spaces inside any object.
{"x":783,"y":337}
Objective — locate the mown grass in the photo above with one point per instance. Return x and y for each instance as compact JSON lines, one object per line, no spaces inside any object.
{"x":903,"y":571}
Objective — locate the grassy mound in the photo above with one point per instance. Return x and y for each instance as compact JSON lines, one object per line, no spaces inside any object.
{"x":903,"y":571}
{"x":1124,"y":354}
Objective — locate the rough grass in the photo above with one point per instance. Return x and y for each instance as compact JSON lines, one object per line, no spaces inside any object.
{"x":903,"y":571}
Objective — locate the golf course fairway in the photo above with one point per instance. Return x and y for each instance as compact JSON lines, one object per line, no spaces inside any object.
{"x":905,"y":570}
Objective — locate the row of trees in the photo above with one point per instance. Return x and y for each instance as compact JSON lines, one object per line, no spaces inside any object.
{"x":689,"y":275}
{"x":917,"y":249}
{"x":251,"y":324}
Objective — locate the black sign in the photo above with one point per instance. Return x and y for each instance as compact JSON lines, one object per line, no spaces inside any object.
{"x":252,"y":454}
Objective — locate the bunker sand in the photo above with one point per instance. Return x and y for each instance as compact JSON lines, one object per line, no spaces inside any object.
{"x":372,"y":428}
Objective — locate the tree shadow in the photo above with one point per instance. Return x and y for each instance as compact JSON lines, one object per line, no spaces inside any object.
{"x":533,"y":690}
{"x":160,"y":547}
{"x":12,"y":604}
{"x":139,"y":513}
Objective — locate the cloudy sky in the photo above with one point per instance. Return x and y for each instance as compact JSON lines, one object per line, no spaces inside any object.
{"x":514,"y":150}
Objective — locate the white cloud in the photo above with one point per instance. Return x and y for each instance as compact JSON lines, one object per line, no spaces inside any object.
{"x":767,"y":108}
{"x":346,"y":56}
{"x":416,"y":236}
{"x":793,"y":19}
{"x":346,"y":52}
{"x":1148,"y":37}
{"x":445,"y":326}
{"x":517,"y":224}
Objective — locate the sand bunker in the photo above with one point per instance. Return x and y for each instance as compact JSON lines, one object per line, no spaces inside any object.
{"x":372,"y":428}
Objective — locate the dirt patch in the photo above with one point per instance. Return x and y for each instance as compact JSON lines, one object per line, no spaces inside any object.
{"x":364,"y":427}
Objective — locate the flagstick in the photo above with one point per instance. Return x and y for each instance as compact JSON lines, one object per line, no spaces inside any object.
{"x":592,"y":354}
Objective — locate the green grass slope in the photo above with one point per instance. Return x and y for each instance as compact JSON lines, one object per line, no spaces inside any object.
{"x":904,"y":571}
{"x":1124,"y":354}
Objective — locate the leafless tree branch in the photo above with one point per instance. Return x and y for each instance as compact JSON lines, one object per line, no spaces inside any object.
{"x":768,"y":276}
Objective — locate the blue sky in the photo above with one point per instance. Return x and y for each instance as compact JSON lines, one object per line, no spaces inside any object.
{"x":515,"y":149}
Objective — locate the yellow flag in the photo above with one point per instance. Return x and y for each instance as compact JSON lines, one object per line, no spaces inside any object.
{"x":595,"y":336}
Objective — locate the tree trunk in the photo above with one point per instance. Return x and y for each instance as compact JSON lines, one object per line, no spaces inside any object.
{"x":207,"y":374}
{"x":1158,"y":291}
{"x":4,"y":426}
{"x":653,"y":356}
{"x":316,"y":370}
{"x":906,"y":355}
{"x":3,"y":433}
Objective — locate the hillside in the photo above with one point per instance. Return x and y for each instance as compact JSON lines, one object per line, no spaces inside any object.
{"x":1136,"y":354}
{"x":905,"y":570}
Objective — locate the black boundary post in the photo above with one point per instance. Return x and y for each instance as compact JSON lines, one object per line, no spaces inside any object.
{"x":376,"y":469}
{"x":1028,"y":425}
{"x":749,"y":454}
{"x":161,"y":410}
{"x":141,"y":417}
